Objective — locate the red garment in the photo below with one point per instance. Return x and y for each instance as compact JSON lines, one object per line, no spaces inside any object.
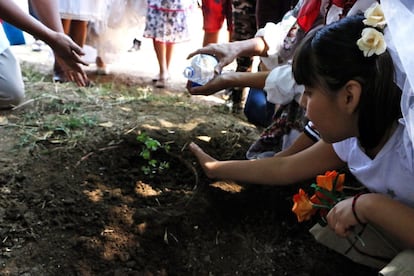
{"x":308,"y":14}
{"x":310,"y":11}
{"x":343,"y":3}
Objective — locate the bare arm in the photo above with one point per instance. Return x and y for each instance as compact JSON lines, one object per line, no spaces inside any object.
{"x":227,"y":52}
{"x":230,"y":79}
{"x":12,"y":13}
{"x":274,"y":170}
{"x":394,"y":217}
{"x":48,"y":13}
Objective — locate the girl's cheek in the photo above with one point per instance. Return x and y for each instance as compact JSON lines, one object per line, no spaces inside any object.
{"x":303,"y":101}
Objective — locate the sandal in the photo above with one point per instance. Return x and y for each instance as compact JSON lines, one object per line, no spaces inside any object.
{"x":157,"y":78}
{"x":161,"y":83}
{"x":59,"y":77}
{"x":102,"y":71}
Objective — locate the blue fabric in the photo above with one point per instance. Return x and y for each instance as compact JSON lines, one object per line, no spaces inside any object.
{"x":257,"y":109}
{"x":14,"y":34}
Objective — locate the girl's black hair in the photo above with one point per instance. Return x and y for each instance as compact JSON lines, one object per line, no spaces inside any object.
{"x":330,"y":57}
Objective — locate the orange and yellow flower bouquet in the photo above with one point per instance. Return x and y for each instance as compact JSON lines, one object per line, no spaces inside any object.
{"x":328,"y":191}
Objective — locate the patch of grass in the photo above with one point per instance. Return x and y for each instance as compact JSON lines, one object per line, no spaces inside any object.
{"x":31,"y":74}
{"x":66,"y":114}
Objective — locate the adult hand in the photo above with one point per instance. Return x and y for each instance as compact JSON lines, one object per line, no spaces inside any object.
{"x":225,"y":53}
{"x":68,"y":55}
{"x":215,"y":85}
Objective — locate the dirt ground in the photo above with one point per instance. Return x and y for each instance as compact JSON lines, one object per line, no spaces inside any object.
{"x":74,"y":199}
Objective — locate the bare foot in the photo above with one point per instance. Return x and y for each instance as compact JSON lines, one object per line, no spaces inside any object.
{"x":101,"y":68}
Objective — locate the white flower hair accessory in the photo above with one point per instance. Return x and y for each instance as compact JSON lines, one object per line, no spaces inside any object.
{"x":374,"y":16}
{"x":372,"y":40}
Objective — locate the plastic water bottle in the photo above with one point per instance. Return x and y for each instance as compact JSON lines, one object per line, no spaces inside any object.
{"x":201,"y":69}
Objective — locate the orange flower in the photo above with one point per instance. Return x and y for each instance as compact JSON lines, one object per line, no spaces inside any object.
{"x":327,"y":181}
{"x":302,"y":207}
{"x":328,"y":191}
{"x":316,"y":199}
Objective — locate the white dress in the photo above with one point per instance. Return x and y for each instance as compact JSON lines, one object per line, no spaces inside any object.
{"x":85,"y":10}
{"x":167,"y":21}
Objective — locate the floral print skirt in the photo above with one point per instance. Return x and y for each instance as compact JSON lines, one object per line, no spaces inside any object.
{"x":167,"y":25}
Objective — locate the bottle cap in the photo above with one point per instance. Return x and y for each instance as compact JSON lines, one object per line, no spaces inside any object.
{"x":188,"y":72}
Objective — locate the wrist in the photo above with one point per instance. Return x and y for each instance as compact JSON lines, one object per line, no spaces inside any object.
{"x":251,"y":47}
{"x":48,"y":36}
{"x":357,"y":209}
{"x":261,"y":46}
{"x":228,"y":79}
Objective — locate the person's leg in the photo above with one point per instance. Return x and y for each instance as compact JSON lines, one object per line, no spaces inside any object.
{"x":66,"y":25}
{"x":101,"y":68}
{"x":366,"y":245}
{"x":213,"y":18}
{"x":78,"y":31}
{"x":11,"y":82}
{"x":210,"y":37}
{"x":161,"y":53}
{"x":169,"y":47}
{"x":402,"y":264}
{"x":257,"y":109}
{"x":244,"y":27}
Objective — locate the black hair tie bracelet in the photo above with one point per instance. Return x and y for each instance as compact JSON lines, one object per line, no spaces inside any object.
{"x":353,"y":208}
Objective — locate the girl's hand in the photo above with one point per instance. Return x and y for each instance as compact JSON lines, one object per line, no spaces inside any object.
{"x":206,"y":161}
{"x":341,"y":219}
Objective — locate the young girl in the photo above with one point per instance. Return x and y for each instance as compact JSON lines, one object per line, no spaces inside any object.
{"x":166,"y":23}
{"x":352,"y":100}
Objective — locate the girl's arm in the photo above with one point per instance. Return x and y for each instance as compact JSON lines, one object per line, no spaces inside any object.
{"x":393,"y":216}
{"x":304,"y":165}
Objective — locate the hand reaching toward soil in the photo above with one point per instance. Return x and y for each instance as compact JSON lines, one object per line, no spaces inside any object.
{"x":206,"y":161}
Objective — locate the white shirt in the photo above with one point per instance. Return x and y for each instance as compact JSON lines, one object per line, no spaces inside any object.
{"x":391,"y":172}
{"x":281,"y":87}
{"x":4,"y":41}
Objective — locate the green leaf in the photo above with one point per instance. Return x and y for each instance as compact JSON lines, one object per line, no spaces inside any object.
{"x":152,"y":163}
{"x":146,"y":154}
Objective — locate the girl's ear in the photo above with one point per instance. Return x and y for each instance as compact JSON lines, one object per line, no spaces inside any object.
{"x":351,"y":95}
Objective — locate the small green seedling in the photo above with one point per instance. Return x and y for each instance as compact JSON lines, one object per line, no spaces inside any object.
{"x":151,"y":145}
